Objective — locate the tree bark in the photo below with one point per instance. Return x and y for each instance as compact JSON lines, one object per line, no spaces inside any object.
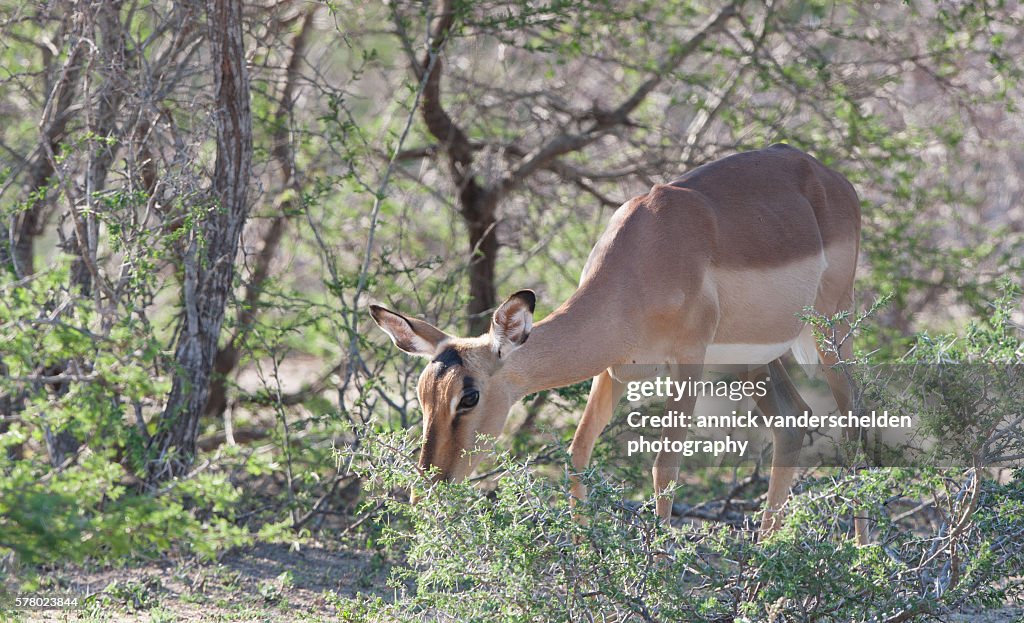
{"x":209,"y":269}
{"x":480,"y":214}
{"x":229,"y":355}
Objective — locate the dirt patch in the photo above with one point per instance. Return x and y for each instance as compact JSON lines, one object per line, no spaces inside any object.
{"x":268,"y":582}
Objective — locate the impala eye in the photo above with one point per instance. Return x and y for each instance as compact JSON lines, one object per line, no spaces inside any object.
{"x":469,"y":400}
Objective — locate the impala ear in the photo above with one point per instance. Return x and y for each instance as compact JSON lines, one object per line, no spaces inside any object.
{"x":413,"y":336}
{"x":511,"y":323}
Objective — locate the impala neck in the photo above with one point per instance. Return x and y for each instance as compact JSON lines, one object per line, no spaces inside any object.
{"x":576,"y":342}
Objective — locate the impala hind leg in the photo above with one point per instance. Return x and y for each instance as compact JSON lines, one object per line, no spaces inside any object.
{"x":605,"y":393}
{"x":843,"y":392}
{"x":838,"y":349}
{"x":782,"y":398}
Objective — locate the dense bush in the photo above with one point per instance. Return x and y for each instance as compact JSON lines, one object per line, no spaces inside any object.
{"x":522,"y":552}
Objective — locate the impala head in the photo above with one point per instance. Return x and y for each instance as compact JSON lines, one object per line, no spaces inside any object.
{"x":459,"y":390}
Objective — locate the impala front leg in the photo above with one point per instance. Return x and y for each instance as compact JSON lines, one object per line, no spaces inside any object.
{"x":605,"y":393}
{"x":666,"y":464}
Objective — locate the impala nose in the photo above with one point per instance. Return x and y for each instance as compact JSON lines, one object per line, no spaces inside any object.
{"x":415,"y":494}
{"x":436,"y":475}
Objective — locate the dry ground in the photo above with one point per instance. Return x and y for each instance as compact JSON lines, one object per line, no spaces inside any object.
{"x":267,"y":582}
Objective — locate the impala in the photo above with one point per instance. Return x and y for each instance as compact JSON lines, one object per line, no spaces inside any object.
{"x":715,"y":268}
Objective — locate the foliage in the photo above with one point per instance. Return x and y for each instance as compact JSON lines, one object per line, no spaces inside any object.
{"x":522,"y":552}
{"x":88,"y":506}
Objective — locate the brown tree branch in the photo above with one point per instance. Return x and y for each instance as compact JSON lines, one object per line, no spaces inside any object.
{"x":477,"y":203}
{"x":603,"y":122}
{"x":440,"y":124}
{"x":52,"y":129}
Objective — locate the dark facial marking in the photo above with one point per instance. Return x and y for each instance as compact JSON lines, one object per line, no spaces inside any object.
{"x":427,"y":452}
{"x":448,"y":358}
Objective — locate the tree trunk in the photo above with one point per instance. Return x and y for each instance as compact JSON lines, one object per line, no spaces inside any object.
{"x":479,"y":212}
{"x":478,"y":203}
{"x":229,"y":355}
{"x":209,"y":269}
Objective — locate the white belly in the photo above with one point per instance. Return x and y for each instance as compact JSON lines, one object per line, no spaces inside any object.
{"x":717,"y":355}
{"x":753,"y":354}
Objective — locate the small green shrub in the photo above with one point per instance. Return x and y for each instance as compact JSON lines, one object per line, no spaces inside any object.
{"x":94,"y":505}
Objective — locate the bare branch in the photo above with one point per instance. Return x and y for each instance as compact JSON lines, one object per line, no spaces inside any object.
{"x":567,"y":143}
